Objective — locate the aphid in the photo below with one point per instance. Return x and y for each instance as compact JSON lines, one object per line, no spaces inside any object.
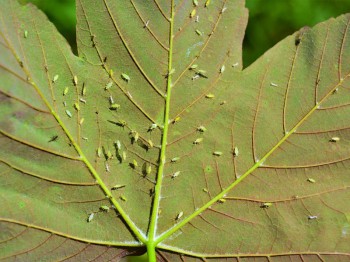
{"x":82,"y":100}
{"x":175,"y":159}
{"x":150,"y":143}
{"x":146,"y":24}
{"x":76,"y":106}
{"x":197,"y":19}
{"x":109,"y":85}
{"x":81,"y":121}
{"x":99,"y":152}
{"x":75,"y":80}
{"x":123,"y":198}
{"x":210,"y":96}
{"x":334,"y":139}
{"x":146,"y":168}
{"x":104,"y":208}
{"x":111,"y":100}
{"x":223,"y":9}
{"x":125,"y":77}
{"x":116,"y":187}
{"x":134,"y":136}
{"x":83,"y":91}
{"x":266,"y":205}
{"x":207,"y":3}
{"x":172,"y":71}
{"x":134,"y":163}
{"x":205,"y":190}
{"x":198,"y":32}
{"x":273,"y":84}
{"x":196,"y":76}
{"x":201,"y":129}
{"x":222,"y":69}
{"x":235,"y":64}
{"x":114,"y":106}
{"x":312,"y":217}
{"x":64,"y":103}
{"x":111,"y":73}
{"x":25,"y":34}
{"x":53,"y":138}
{"x":235,"y":151}
{"x":84,"y":138}
{"x":55,"y":78}
{"x":176,"y":119}
{"x":124,"y":155}
{"x":68,"y":113}
{"x":176,"y":174}
{"x":195,"y":2}
{"x":222,"y":200}
{"x":300,"y":34}
{"x":179,"y":215}
{"x":311,"y":180}
{"x":198,"y":141}
{"x":109,"y":155}
{"x":90,"y":217}
{"x":122,"y":123}
{"x":335,"y":91}
{"x":194,"y":66}
{"x":193,"y":13}
{"x":152,"y":127}
{"x":223,"y":102}
{"x":107,"y":167}
{"x":118,"y":144}
{"x":202,"y":73}
{"x":217,"y":153}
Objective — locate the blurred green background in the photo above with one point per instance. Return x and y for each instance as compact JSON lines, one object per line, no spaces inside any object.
{"x":269,"y":22}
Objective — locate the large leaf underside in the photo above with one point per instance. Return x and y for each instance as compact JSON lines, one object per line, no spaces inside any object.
{"x":221,"y":164}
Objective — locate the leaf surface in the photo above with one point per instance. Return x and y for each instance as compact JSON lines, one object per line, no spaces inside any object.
{"x":156,"y":131}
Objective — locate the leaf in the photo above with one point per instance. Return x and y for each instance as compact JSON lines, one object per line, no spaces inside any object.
{"x":246,"y":155}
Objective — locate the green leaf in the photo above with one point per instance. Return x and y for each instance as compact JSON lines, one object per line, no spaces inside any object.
{"x":190,"y":155}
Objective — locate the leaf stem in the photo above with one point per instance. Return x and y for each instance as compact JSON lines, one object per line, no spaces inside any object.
{"x":156,"y":201}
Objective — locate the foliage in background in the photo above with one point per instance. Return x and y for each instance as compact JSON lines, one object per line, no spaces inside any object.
{"x":269,"y":20}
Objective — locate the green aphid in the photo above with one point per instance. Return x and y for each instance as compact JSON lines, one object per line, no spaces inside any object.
{"x":210,"y":96}
{"x":195,"y":2}
{"x":175,"y":159}
{"x":179,"y":215}
{"x":116,"y":187}
{"x":134,"y":136}
{"x":217,"y":153}
{"x":134,"y":164}
{"x":109,"y":85}
{"x":65,"y":91}
{"x":124,"y":155}
{"x":201,"y":129}
{"x":76,"y":106}
{"x":118,"y":144}
{"x":111,"y":73}
{"x":222,"y":69}
{"x":69,"y":113}
{"x":104,"y":208}
{"x":198,"y":32}
{"x":198,"y":141}
{"x":266,"y":205}
{"x":176,"y":174}
{"x":25,"y":34}
{"x":172,"y":71}
{"x":55,"y":78}
{"x":152,"y":127}
{"x":114,"y":106}
{"x":222,"y":200}
{"x":83,"y":92}
{"x":123,"y":198}
{"x":194,"y":66}
{"x":146,"y":168}
{"x":90,"y":217}
{"x":125,"y":77}
{"x":205,"y":190}
{"x":193,"y":13}
{"x":311,"y":180}
{"x":99,"y":152}
{"x":235,"y":151}
{"x":75,"y":80}
{"x":109,"y":154}
{"x":150,"y":144}
{"x":207,"y":3}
